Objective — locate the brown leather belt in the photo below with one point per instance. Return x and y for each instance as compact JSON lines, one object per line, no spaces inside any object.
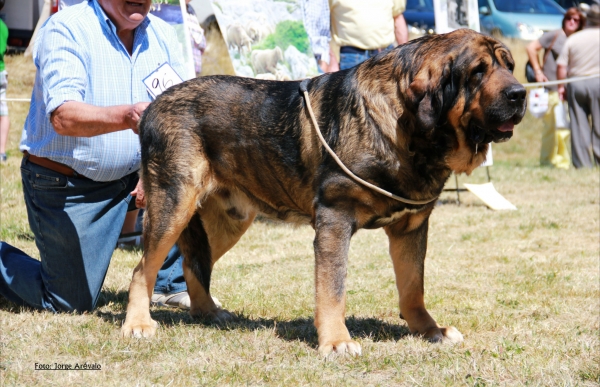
{"x":53,"y":165}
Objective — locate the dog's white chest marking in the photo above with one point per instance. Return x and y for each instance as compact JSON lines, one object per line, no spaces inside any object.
{"x":393,"y":218}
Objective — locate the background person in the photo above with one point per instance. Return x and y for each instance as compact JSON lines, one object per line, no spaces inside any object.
{"x":82,"y":152}
{"x":316,"y":17}
{"x":198,"y":40}
{"x":580,"y":56}
{"x":552,"y":42}
{"x":362,"y":29}
{"x":4,"y":119}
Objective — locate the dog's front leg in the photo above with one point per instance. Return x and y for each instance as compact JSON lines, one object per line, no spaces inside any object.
{"x":333,"y":233}
{"x":408,"y":249}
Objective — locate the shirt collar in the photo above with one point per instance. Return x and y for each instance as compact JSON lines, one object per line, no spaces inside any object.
{"x":105,"y":20}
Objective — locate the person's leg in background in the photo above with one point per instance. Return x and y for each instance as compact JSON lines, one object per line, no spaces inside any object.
{"x":170,"y":288}
{"x":593,"y":90}
{"x":581,"y":132}
{"x":4,"y":119}
{"x":554,"y":151}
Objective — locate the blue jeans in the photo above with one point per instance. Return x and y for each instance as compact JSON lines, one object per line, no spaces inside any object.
{"x":349,"y":60}
{"x":76,"y":223}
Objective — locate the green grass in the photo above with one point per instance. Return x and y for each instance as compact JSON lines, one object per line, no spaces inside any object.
{"x":522,"y":286}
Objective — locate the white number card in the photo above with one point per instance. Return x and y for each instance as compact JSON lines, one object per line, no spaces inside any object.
{"x":161,"y":79}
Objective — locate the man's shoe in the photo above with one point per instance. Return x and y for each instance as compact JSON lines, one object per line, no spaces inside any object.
{"x":175,"y":300}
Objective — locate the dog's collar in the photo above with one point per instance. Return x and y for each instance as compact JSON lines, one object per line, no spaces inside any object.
{"x":304,"y":91}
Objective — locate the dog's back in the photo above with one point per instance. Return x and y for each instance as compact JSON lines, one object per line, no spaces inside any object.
{"x":232,"y":123}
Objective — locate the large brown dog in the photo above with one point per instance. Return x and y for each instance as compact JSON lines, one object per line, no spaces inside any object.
{"x":217,"y":151}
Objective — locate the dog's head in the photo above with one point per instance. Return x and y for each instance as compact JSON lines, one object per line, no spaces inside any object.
{"x":463,"y":82}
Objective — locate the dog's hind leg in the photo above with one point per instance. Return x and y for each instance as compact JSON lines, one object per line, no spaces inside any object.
{"x":211,"y":232}
{"x":168,"y":213}
{"x":408,"y":249}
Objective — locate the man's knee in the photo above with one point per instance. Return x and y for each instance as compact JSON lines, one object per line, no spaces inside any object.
{"x":71,"y":303}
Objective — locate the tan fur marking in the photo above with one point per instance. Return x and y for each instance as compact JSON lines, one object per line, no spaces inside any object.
{"x":224,"y":232}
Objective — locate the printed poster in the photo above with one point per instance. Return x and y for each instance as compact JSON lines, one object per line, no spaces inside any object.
{"x":451,"y":15}
{"x":266,"y":39}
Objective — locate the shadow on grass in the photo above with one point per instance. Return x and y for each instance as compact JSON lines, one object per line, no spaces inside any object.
{"x":299,"y":329}
{"x":112,"y":308}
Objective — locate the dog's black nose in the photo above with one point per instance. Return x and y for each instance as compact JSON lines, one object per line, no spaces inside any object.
{"x":516,"y":93}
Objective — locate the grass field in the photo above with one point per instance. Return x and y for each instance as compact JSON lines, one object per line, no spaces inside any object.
{"x":522,"y":286}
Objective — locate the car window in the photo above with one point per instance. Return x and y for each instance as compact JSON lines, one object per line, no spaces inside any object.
{"x":529,"y":6}
{"x":420,"y":5}
{"x":483,"y":3}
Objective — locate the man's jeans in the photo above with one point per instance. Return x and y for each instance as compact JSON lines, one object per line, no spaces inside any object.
{"x":349,"y":60}
{"x":76,"y":223}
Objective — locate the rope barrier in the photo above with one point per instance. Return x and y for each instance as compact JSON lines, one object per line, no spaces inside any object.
{"x":561,"y":82}
{"x":17,"y":99}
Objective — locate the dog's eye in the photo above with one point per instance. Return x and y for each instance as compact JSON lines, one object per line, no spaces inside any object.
{"x":510,"y":66}
{"x":478,"y":71}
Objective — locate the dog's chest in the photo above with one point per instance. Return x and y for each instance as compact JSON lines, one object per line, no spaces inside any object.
{"x":386,"y":220}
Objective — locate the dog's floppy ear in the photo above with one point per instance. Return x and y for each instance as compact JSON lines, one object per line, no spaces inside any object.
{"x":430,"y":95}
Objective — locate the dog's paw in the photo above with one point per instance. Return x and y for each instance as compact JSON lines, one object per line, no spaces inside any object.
{"x":448,"y":335}
{"x":222,"y":316}
{"x":216,"y":315}
{"x":139,"y":330}
{"x":348,"y":347}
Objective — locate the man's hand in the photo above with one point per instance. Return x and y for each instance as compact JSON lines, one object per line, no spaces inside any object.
{"x":134,"y":115}
{"x":138,"y":192}
{"x":562,"y":92}
{"x":540,"y":76}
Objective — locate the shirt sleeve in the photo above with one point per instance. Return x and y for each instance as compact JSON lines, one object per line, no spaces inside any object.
{"x":546,"y":38}
{"x":399,"y":7}
{"x":3,"y":38}
{"x":61,"y":62}
{"x":563,"y":58}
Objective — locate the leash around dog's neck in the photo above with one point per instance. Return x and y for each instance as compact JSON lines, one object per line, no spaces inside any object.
{"x":303,"y":89}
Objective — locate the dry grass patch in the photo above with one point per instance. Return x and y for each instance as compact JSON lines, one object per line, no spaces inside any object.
{"x":522,"y":286}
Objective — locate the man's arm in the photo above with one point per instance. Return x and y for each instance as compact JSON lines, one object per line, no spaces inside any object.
{"x":334,"y":64}
{"x":400,"y":29}
{"x":562,"y":63}
{"x":80,"y":119}
{"x":532,"y":52}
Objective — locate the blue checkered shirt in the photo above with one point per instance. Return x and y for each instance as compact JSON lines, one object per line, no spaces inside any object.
{"x":79,"y":57}
{"x":316,"y":22}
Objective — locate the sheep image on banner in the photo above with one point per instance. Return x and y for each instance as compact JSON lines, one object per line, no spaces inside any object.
{"x":266,"y":39}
